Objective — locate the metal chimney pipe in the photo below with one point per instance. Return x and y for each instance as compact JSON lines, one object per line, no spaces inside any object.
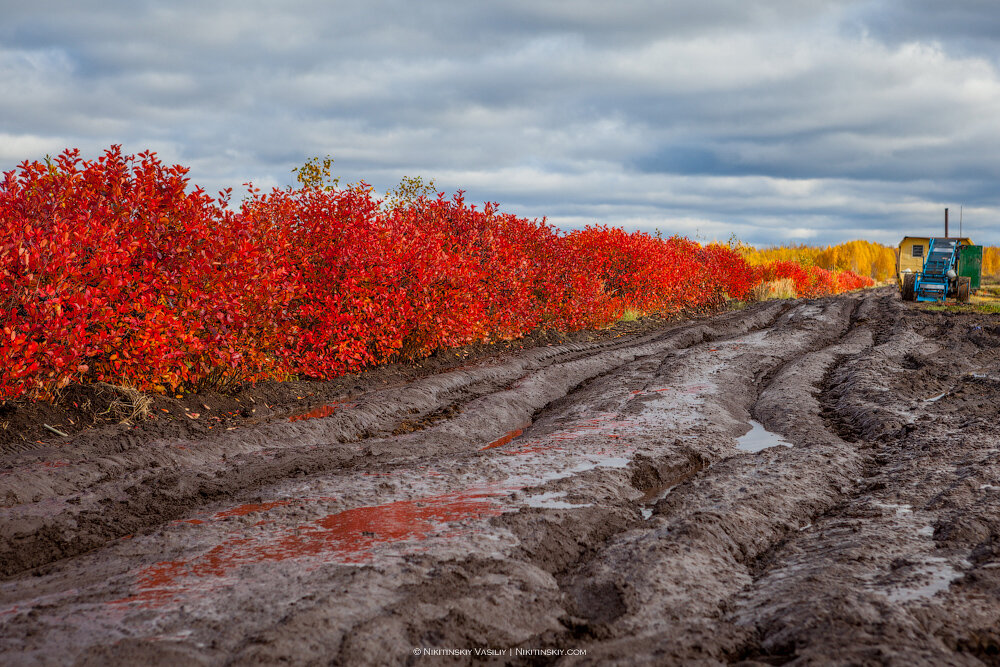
{"x":946,"y":223}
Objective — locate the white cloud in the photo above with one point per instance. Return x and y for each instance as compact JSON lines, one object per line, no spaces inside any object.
{"x":15,"y":148}
{"x":803,"y":120}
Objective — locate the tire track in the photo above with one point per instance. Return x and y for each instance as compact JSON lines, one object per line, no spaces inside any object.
{"x":668,"y":584}
{"x":903,"y":570}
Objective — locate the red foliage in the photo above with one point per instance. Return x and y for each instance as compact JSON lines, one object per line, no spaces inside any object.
{"x":812,"y":281}
{"x":113,"y":270}
{"x":106,"y":270}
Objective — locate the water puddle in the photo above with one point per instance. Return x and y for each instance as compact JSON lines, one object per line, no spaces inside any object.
{"x":534,"y":448}
{"x":354,"y":536}
{"x":532,"y":471}
{"x":936,"y":576}
{"x":935,"y":399}
{"x":658,"y":493}
{"x":648,"y":502}
{"x":175,"y":637}
{"x":253,"y":508}
{"x":602,"y":425}
{"x":759,"y":438}
{"x":361,"y":534}
{"x":50,"y":599}
{"x":602,"y":461}
{"x":551,"y":500}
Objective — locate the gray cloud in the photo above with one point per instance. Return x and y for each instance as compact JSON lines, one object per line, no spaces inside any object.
{"x":802,"y":120}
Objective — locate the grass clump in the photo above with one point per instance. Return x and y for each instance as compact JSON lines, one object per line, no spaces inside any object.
{"x":127,"y":405}
{"x":630,"y":315}
{"x":776,"y":289}
{"x":964,"y":307}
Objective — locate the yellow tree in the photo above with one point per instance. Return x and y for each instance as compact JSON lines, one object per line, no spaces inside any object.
{"x":991,"y":261}
{"x":827,"y":258}
{"x":885,"y":265}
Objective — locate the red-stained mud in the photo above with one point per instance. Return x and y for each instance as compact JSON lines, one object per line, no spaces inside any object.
{"x":349,"y":537}
{"x":504,"y":439}
{"x":320,"y":412}
{"x":619,"y":510}
{"x":250,"y":508}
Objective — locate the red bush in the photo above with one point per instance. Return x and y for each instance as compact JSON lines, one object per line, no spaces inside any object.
{"x":812,"y":281}
{"x":105,"y":271}
{"x":112,"y":270}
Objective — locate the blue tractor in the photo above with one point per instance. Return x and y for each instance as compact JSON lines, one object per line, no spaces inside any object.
{"x":939,"y":277}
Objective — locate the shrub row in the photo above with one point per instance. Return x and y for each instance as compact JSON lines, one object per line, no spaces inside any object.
{"x":812,"y":281}
{"x":115,"y":270}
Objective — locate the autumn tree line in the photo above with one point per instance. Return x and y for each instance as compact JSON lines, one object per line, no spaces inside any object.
{"x":865,"y":258}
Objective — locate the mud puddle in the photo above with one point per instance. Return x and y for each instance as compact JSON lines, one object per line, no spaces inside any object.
{"x":647,"y":503}
{"x":759,"y":438}
{"x":924,"y":580}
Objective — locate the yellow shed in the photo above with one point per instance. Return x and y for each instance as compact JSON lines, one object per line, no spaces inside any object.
{"x":912,"y":250}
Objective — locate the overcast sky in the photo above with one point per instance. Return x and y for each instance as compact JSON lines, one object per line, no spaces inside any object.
{"x":786,"y":121}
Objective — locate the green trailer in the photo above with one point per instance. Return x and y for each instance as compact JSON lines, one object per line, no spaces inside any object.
{"x":970,"y":265}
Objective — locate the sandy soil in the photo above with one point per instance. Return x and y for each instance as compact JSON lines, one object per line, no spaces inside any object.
{"x":795,"y":483}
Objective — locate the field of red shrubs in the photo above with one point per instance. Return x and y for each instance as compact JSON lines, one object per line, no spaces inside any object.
{"x":117,"y":270}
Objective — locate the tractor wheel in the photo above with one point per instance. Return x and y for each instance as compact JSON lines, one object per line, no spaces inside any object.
{"x":964,"y":283}
{"x":909,"y":281}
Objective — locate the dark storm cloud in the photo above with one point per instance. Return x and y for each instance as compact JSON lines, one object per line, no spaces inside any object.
{"x":975,"y":23}
{"x":788,"y":120}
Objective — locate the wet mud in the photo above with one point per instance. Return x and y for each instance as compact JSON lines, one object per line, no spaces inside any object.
{"x":795,"y":483}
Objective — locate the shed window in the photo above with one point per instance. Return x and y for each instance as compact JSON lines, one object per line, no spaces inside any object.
{"x":918,"y":250}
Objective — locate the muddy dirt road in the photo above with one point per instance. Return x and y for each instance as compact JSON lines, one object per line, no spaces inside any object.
{"x":802,"y":482}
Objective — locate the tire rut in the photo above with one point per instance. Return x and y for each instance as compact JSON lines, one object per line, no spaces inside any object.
{"x":602,"y":593}
{"x":806,"y":603}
